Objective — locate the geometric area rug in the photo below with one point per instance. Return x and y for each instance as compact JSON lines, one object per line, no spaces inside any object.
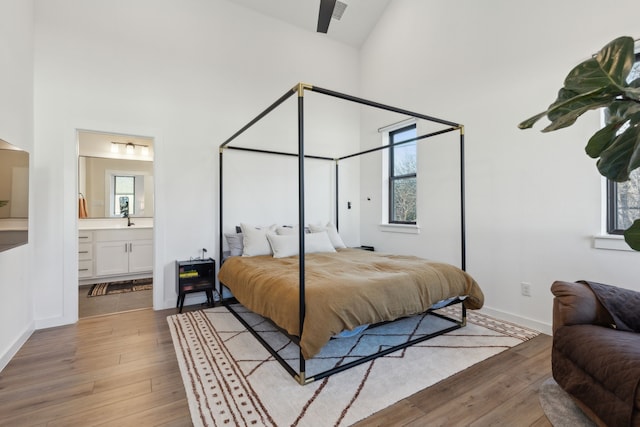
{"x":231,"y":380}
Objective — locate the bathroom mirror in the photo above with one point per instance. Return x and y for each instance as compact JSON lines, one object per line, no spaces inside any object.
{"x":14,"y":196}
{"x":113,"y":166}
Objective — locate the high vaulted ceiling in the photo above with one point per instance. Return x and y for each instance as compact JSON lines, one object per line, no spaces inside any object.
{"x":353,"y":28}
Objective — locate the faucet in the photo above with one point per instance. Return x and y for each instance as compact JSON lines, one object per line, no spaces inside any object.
{"x":126,"y":215}
{"x":124,"y":209}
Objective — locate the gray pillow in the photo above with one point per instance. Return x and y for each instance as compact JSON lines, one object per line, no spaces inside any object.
{"x":234,"y":240}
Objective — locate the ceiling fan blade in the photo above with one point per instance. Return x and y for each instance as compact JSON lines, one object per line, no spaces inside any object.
{"x":324,"y":16}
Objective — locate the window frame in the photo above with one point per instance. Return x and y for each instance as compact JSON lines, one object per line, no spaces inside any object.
{"x":392,"y":177}
{"x":612,"y":208}
{"x":612,"y":193}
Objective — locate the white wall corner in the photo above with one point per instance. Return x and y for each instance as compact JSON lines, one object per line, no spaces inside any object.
{"x":16,"y":346}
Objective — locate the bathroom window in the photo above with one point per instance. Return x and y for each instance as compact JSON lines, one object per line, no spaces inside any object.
{"x":124,"y":186}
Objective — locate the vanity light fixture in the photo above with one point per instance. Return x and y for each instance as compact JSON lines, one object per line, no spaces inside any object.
{"x":129,"y":147}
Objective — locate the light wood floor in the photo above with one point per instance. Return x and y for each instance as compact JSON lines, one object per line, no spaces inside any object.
{"x":114,"y":303}
{"x":121,"y":370}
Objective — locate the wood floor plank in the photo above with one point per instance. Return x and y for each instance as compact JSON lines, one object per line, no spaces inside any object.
{"x":55,"y":410}
{"x":121,"y":369}
{"x":520,"y":409}
{"x":114,"y":412}
{"x":400,"y":414}
{"x":476,"y":401}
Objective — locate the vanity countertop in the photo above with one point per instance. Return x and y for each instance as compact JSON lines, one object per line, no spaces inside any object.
{"x":114,"y":223}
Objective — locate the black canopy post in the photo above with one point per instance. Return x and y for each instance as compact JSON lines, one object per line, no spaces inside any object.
{"x":220,"y":219}
{"x":337,"y":199}
{"x":301,"y":87}
{"x":463,"y":237}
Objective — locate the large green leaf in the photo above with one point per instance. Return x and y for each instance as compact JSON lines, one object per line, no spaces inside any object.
{"x":602,"y":139}
{"x":569,"y":106}
{"x":617,"y":116}
{"x":632,"y":91}
{"x":616,"y":160}
{"x":592,"y":84}
{"x":608,"y":68}
{"x":632,"y":235}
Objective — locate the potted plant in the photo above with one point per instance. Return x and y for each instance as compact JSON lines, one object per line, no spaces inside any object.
{"x":601,"y":81}
{"x":3,"y":203}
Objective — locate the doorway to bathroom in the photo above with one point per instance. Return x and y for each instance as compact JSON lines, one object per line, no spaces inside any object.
{"x":115,"y":222}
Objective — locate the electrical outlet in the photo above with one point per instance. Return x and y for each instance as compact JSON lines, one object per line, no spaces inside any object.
{"x":525,"y":289}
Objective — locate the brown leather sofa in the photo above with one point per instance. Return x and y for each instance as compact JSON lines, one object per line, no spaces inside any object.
{"x":596,"y":349}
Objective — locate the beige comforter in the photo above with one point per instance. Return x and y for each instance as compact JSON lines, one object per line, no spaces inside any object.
{"x":343,"y":290}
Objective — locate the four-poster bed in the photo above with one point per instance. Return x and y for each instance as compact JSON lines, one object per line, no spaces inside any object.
{"x":316,"y":295}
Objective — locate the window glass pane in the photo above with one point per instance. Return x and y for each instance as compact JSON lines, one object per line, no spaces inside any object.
{"x":124,"y":186}
{"x":404,"y":159}
{"x":627,"y":207}
{"x":404,"y":200}
{"x":404,"y":156}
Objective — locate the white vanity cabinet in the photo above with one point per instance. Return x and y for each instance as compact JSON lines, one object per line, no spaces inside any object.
{"x":122,"y":252}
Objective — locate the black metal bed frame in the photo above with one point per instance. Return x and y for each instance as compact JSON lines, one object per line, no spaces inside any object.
{"x":300,"y":88}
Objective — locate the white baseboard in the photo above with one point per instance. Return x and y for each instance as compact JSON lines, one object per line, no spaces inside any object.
{"x":545,"y":328}
{"x":16,"y":346}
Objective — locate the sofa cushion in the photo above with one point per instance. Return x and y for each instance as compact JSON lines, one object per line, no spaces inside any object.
{"x":600,"y":367}
{"x":622,"y":304}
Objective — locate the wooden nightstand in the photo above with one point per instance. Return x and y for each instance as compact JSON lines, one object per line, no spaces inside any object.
{"x":197,"y":275}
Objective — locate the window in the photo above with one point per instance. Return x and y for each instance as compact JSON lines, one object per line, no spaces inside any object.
{"x":623,"y":198}
{"x":624,"y":203}
{"x":124,"y":187}
{"x":402,"y":176}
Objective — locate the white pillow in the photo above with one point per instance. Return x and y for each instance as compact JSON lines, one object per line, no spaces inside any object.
{"x":331,"y":229}
{"x":283,"y":245}
{"x":283,"y":231}
{"x":234,"y":240}
{"x":318,"y":242}
{"x":255,"y":239}
{"x":287,"y":245}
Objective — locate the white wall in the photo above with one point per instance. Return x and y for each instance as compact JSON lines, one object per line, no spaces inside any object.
{"x":187,"y":73}
{"x":16,"y":127}
{"x":534,"y":200}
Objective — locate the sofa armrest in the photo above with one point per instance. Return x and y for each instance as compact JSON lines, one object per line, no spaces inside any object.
{"x":575,"y":303}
